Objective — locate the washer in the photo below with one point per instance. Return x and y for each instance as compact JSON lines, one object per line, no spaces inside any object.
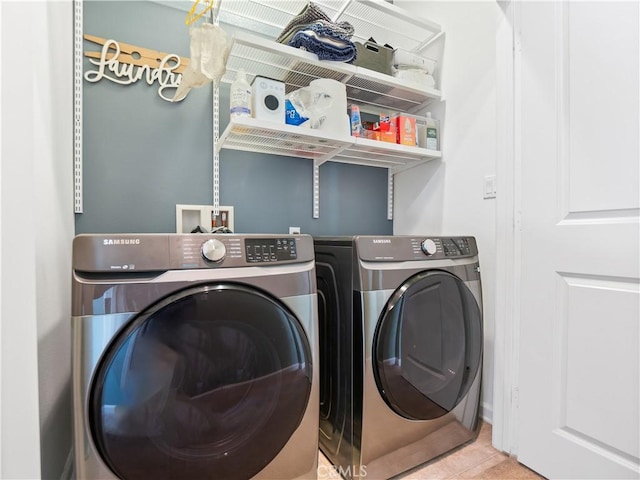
{"x":194,"y":356}
{"x":400,"y":350}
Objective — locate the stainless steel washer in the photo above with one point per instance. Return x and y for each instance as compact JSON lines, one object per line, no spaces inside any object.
{"x":194,"y":356}
{"x":400,"y":350}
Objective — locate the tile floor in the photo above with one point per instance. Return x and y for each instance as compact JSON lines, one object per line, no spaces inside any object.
{"x":477,"y":459}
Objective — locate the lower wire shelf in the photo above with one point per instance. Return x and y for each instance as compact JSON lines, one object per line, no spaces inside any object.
{"x":251,"y":134}
{"x":260,"y":136}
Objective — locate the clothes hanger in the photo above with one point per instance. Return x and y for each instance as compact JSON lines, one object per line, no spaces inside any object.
{"x":193,"y":16}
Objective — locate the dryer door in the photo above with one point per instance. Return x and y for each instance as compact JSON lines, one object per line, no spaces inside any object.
{"x":210,"y":382}
{"x":427,"y":346}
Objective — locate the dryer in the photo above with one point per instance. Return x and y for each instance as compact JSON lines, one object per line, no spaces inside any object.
{"x":194,"y":356}
{"x":400,"y":350}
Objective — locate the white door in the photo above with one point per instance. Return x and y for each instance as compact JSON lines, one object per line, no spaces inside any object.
{"x":577,"y":134}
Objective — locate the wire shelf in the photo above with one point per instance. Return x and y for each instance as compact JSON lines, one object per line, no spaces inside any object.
{"x":297,"y":68}
{"x":258,"y":55}
{"x":250,"y":134}
{"x":385,"y":22}
{"x":376,"y":153}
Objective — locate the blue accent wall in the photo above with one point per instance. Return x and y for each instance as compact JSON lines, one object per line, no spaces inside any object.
{"x":143,"y":155}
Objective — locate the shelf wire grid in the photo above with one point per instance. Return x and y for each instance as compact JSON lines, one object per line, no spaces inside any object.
{"x":298,"y":69}
{"x":263,"y":139}
{"x":256,"y":60}
{"x":384,"y":22}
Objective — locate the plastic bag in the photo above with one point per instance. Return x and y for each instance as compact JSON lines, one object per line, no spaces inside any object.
{"x":214,"y":51}
{"x":310,"y":103}
{"x":209,"y":52}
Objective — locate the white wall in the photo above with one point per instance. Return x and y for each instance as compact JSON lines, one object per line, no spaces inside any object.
{"x":37,"y":225}
{"x":445,"y":197}
{"x":54,"y":199}
{"x":20,"y":428}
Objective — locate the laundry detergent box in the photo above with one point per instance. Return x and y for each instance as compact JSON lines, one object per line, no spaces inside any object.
{"x":406,"y":133}
{"x":388,"y":128}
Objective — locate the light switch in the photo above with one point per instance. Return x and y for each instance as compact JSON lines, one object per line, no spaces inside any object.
{"x":489,"y":187}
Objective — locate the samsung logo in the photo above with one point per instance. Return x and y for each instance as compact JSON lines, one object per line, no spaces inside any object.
{"x":121,"y":241}
{"x":381,"y":240}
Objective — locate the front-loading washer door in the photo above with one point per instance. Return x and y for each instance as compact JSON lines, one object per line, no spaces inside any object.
{"x":210,"y":382}
{"x":427,"y":345}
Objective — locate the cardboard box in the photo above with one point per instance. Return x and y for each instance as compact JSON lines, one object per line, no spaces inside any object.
{"x":388,"y":137}
{"x":406,"y":130}
{"x":371,"y":135}
{"x":388,"y":129}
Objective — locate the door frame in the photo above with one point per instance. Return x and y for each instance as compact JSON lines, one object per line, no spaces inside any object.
{"x":508,"y":229}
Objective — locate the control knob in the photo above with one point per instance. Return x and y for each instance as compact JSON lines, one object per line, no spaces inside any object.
{"x":213,"y":250}
{"x":428,"y":247}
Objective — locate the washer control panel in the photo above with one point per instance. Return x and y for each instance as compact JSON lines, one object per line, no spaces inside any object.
{"x":190,"y":251}
{"x":258,"y":250}
{"x":155,"y":252}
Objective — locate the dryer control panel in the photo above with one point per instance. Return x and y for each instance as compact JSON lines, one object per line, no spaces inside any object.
{"x":405,"y":248}
{"x":456,"y":247}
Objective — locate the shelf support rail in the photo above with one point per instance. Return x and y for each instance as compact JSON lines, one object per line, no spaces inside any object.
{"x":216,"y":152}
{"x":389,"y":194}
{"x":77,"y":106}
{"x":216,"y":127}
{"x":316,"y":188}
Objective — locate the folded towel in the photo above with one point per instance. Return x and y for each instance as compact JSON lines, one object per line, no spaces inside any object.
{"x":311,"y":13}
{"x":327,"y":30}
{"x":344,"y":29}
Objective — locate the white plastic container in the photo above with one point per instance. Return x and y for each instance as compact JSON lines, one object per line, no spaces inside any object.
{"x":240,"y":96}
{"x":432,"y":141}
{"x":337,"y":121}
{"x":413,"y":60}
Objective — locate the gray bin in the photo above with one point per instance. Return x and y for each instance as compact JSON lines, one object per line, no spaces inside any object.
{"x":374,"y":57}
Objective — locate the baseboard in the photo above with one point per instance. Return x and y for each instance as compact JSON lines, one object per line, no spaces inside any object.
{"x":486,"y":413}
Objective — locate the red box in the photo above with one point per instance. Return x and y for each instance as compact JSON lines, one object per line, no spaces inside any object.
{"x":406,"y":130}
{"x":388,"y":129}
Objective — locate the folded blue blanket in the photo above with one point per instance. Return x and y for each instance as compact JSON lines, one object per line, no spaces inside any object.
{"x":325,"y":43}
{"x":311,"y":13}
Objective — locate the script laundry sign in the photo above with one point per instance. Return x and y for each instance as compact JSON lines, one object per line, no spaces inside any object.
{"x":125,"y":64}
